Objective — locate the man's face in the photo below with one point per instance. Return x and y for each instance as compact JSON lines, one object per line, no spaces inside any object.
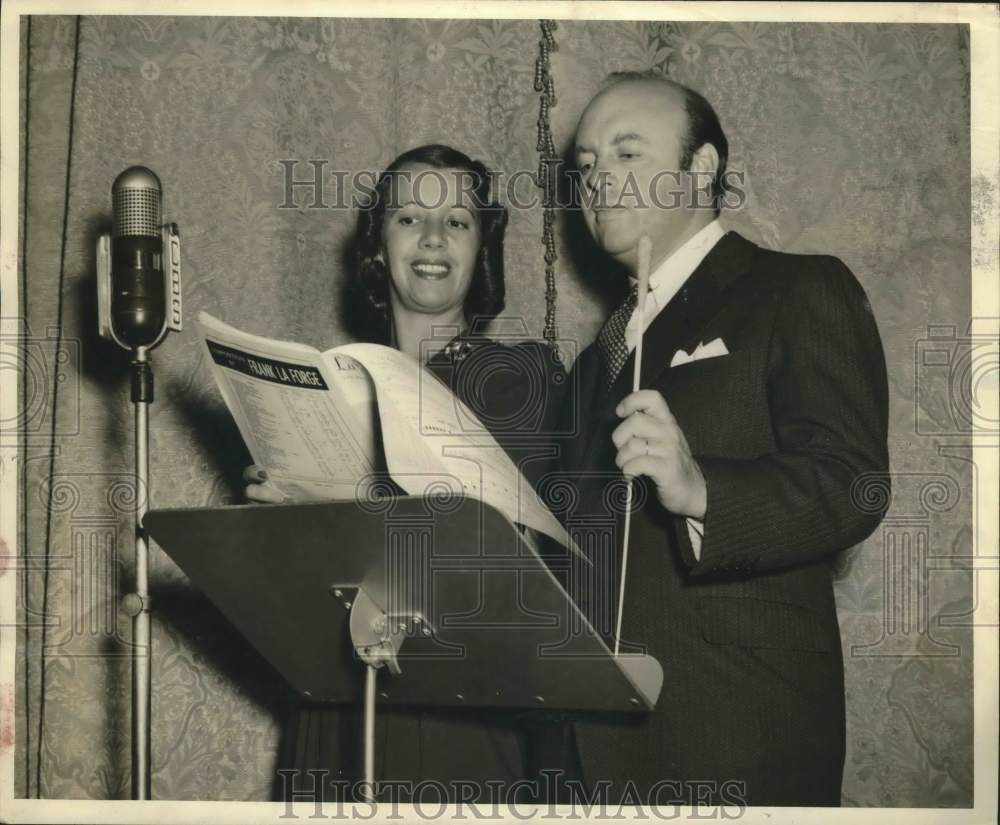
{"x":628,"y":149}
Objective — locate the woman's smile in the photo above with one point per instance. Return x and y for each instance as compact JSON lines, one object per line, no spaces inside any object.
{"x":432,"y":270}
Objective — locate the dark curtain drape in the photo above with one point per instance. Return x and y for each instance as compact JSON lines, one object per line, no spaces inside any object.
{"x":854,"y":140}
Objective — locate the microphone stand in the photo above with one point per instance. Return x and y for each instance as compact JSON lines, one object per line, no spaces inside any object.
{"x":138,"y":602}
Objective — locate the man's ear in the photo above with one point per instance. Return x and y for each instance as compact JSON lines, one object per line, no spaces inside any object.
{"x":706,"y":159}
{"x":704,"y":166}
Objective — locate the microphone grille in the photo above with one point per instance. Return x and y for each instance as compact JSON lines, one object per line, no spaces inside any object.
{"x":135,"y":199}
{"x":136,"y":212}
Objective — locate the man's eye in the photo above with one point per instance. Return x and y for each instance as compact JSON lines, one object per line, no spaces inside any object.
{"x":628,"y":155}
{"x":406,"y":220}
{"x":458,"y":223}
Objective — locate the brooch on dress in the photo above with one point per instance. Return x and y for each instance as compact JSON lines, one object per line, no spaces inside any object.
{"x":457,"y":349}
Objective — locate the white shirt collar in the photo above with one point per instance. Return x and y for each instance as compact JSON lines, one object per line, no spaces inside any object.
{"x":666,"y":280}
{"x":677,"y":267}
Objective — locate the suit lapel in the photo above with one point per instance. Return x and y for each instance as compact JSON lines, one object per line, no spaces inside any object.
{"x":676,"y":326}
{"x":679,"y":325}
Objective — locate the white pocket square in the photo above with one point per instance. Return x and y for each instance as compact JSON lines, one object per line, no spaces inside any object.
{"x":713,"y":349}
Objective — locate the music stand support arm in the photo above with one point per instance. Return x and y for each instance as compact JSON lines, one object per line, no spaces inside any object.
{"x":371,"y":674}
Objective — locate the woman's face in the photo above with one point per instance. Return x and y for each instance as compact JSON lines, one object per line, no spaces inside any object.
{"x":430,"y":240}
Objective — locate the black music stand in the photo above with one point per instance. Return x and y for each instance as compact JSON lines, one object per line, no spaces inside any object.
{"x":445,"y":592}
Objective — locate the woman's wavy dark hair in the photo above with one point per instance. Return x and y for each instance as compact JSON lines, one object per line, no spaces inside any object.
{"x":369,"y":282}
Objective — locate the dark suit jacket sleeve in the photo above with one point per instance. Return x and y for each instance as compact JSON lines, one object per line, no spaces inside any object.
{"x":828,"y":399}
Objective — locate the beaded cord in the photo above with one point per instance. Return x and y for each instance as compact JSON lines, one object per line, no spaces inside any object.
{"x":546,"y":179}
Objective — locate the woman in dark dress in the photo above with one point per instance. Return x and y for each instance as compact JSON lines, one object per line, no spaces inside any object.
{"x":428,"y":277}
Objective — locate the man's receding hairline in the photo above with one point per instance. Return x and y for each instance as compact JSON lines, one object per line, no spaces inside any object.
{"x":664,"y":83}
{"x":675,"y":94}
{"x":671,"y":89}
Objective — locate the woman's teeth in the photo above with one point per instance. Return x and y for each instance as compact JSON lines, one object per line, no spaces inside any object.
{"x":431,"y":270}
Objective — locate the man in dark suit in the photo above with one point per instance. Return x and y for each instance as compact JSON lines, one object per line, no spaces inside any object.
{"x":761,"y":414}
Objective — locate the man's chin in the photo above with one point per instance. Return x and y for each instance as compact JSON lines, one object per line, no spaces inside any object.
{"x":624,"y":253}
{"x":614,"y":242}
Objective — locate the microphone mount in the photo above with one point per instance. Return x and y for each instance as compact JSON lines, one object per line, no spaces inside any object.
{"x":171,"y":241}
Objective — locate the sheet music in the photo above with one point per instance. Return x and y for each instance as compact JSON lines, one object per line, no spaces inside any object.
{"x":426,"y":444}
{"x":312,"y":420}
{"x":307,"y":419}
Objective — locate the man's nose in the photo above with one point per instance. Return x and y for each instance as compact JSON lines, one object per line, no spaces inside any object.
{"x":600,"y":182}
{"x":596,"y":178}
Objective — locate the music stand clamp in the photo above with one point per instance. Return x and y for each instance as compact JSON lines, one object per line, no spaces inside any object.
{"x":376,"y":636}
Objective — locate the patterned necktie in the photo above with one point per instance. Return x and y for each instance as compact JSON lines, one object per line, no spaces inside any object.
{"x":611,"y":339}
